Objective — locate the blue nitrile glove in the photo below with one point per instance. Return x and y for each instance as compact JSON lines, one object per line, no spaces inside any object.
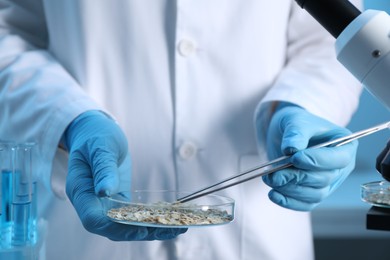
{"x":316,"y":173}
{"x":97,"y":147}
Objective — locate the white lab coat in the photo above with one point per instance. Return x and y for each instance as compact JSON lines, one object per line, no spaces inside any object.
{"x":183,"y":79}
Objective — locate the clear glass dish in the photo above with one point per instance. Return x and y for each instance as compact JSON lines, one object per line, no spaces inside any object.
{"x":376,"y":193}
{"x":158,"y":209}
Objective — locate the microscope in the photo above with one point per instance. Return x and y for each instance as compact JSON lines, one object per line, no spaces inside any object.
{"x":363,"y":48}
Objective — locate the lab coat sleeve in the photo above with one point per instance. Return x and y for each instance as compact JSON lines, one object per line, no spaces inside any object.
{"x":38,"y":97}
{"x":312,"y":77}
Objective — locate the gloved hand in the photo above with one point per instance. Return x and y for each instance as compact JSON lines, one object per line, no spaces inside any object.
{"x":315,"y":173}
{"x":383,"y":162}
{"x":97,"y":146}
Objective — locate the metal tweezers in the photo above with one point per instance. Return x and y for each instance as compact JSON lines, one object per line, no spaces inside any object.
{"x":277,"y":164}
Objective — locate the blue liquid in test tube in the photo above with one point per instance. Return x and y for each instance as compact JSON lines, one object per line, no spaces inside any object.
{"x":21,"y":222}
{"x":33,"y":214}
{"x":6,"y":205}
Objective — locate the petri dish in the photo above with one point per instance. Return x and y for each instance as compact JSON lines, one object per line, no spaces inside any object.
{"x":158,"y":209}
{"x":376,"y":193}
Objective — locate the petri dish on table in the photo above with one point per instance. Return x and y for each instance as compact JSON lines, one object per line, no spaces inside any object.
{"x":376,"y":193}
{"x":159,"y":209}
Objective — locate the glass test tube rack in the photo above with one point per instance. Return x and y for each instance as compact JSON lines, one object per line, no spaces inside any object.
{"x":18,"y":198}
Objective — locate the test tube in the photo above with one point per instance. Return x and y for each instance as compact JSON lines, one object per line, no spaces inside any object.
{"x":33,"y":220}
{"x":22,"y":206}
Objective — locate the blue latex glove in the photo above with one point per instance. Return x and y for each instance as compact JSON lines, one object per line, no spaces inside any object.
{"x":97,"y":146}
{"x":316,"y":173}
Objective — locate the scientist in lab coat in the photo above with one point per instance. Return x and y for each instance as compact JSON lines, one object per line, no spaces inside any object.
{"x":175,"y":95}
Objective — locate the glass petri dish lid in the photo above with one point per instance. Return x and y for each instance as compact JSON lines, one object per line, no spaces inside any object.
{"x":159,"y":209}
{"x":376,"y":193}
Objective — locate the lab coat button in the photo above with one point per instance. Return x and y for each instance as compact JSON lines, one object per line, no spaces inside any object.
{"x":186,"y":48}
{"x":187,"y":150}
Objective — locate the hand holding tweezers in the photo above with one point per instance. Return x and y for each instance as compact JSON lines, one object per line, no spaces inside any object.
{"x":278,"y":164}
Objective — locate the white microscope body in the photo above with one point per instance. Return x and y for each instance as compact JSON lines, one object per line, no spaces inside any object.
{"x":362,"y":41}
{"x":363,"y":47}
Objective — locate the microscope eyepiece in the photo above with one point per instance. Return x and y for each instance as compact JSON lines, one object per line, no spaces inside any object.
{"x":333,"y":15}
